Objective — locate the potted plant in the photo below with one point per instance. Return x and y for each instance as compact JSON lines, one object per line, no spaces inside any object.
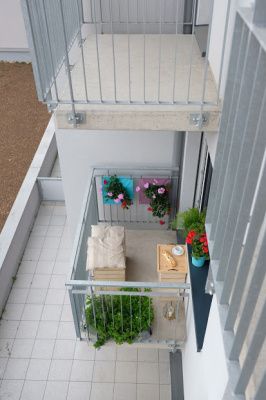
{"x":113,"y":189}
{"x":191,"y":219}
{"x":199,"y":245}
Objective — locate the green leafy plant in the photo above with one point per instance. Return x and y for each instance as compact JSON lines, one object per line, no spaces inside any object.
{"x":117,"y":192}
{"x":112,"y":323}
{"x":191,"y":219}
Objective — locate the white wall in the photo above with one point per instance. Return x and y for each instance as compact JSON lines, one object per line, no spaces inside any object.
{"x":205,"y":373}
{"x":80,"y":150}
{"x":12,"y":30}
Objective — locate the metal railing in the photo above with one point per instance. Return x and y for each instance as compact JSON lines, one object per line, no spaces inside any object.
{"x":236,"y":211}
{"x":118,"y":52}
{"x":159,"y":295}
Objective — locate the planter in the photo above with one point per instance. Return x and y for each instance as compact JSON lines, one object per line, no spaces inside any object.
{"x":198,"y":262}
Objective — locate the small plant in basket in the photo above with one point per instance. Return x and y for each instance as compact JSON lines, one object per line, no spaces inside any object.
{"x":159,"y":199}
{"x":115,"y":190}
{"x":200,"y":250}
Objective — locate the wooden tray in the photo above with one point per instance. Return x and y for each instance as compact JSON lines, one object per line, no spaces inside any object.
{"x":162,"y":265}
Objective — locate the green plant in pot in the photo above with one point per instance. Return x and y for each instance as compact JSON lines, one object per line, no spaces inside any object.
{"x":199,"y":245}
{"x":191,"y":219}
{"x":112,"y":323}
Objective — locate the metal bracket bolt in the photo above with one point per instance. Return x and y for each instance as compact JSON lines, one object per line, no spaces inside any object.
{"x":77,"y":118}
{"x":199,"y":120}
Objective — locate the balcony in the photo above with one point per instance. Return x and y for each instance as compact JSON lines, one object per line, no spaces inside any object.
{"x":142,"y":285}
{"x":122,"y":65}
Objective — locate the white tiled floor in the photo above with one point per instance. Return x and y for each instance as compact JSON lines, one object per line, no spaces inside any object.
{"x":40,"y":357}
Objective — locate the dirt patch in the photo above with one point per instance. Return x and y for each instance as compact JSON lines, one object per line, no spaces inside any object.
{"x":23,"y":121}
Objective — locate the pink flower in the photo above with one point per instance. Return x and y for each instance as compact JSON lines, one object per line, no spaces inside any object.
{"x":146,"y":185}
{"x":105,"y":182}
{"x":120,"y":196}
{"x":116,"y":201}
{"x":161,"y":190}
{"x":110,"y":194}
{"x":155,"y":181}
{"x":137,"y":189}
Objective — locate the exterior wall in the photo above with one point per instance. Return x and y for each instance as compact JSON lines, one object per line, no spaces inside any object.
{"x":205,"y":373}
{"x":13,"y":40}
{"x":80,"y":150}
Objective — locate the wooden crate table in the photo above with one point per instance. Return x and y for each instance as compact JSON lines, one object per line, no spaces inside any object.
{"x":168,"y":273}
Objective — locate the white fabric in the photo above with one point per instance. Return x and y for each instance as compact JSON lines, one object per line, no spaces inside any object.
{"x":106,"y":247}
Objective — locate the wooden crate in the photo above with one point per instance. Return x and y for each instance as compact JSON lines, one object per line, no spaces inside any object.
{"x":167,"y":273}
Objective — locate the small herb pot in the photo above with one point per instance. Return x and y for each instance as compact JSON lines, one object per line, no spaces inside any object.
{"x":198,"y":262}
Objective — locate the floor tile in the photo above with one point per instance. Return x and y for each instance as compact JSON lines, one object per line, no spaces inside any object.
{"x":31,"y":255}
{"x":164,"y":355}
{"x":43,"y":348}
{"x":42,"y":220}
{"x":79,"y":391}
{"x":59,"y":209}
{"x":55,"y":296}
{"x":124,"y":391}
{"x":126,"y":371}
{"x":100,"y":391}
{"x":82,"y":370}
{"x":36,"y":296}
{"x":39,"y":230}
{"x":58,"y":282}
{"x":148,"y":372}
{"x":165,"y":392}
{"x":22,"y":348}
{"x":104,"y":371}
{"x":38,"y":370}
{"x":55,"y":231}
{"x":13,"y":312}
{"x":56,"y":391}
{"x":61,"y":268}
{"x":46,"y":210}
{"x":44,"y":267}
{"x":51,"y":243}
{"x":32,"y":312}
{"x":63,"y":255}
{"x":148,"y":392}
{"x":23,"y":281}
{"x":58,"y":220}
{"x":51,"y":312}
{"x":16,"y":368}
{"x":64,"y":349}
{"x":40,"y":281}
{"x":3,"y":364}
{"x":67,"y":313}
{"x":84,"y":351}
{"x":33,"y":390}
{"x":6,"y":347}
{"x":164,"y":373}
{"x":11,"y":390}
{"x":8,"y":329}
{"x":27,"y":267}
{"x":60,"y":370}
{"x":66,"y":330}
{"x":35,"y":242}
{"x":47,"y":330}
{"x":18,"y":296}
{"x":48,"y":255}
{"x":127,"y":354}
{"x":106,"y":353}
{"x":148,"y":355}
{"x":27,"y":330}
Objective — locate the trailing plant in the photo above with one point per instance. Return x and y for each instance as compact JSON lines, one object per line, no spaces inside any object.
{"x":191,"y":219}
{"x":116,"y":191}
{"x":199,"y":244}
{"x":159,"y":199}
{"x":112,"y":323}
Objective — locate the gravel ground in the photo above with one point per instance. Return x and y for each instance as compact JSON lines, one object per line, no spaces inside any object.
{"x":23,"y":121}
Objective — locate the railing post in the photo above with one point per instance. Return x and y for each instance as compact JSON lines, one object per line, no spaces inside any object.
{"x":74,"y":313}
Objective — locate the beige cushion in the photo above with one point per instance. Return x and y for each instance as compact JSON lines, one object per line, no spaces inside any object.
{"x":105,"y":254}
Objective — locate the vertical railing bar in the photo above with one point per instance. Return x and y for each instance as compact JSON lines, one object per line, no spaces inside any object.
{"x":50,"y":48}
{"x":192,"y":48}
{"x":130,"y":306}
{"x":121,"y":308}
{"x":67,"y":58}
{"x":207,"y":58}
{"x":252,"y":354}
{"x":149,"y":312}
{"x":159,"y":54}
{"x":97,"y":51}
{"x":93,"y":306}
{"x":113,"y":46}
{"x":112,"y":306}
{"x":81,"y":49}
{"x":175,"y":56}
{"x":144,"y":49}
{"x":223,"y":50}
{"x":103,"y":312}
{"x":74,"y":313}
{"x":128,"y":45}
{"x":139,"y":314}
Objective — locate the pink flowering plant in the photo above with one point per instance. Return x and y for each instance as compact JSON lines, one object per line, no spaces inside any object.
{"x":159,"y":198}
{"x":115,"y":190}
